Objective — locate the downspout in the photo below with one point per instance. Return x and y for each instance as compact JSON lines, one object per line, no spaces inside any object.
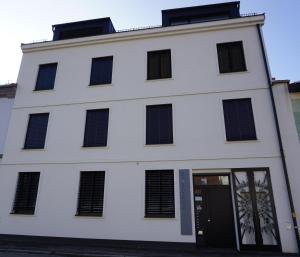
{"x":286,"y":176}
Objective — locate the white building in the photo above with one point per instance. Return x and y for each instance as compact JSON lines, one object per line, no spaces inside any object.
{"x":7,"y":94}
{"x":287,"y":99}
{"x":164,"y":135}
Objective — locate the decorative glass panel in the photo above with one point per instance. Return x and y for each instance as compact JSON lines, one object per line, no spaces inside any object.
{"x":244,"y":208}
{"x":264,"y":208}
{"x":255,"y":210}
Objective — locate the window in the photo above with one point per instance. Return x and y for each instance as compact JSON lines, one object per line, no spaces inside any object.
{"x":46,"y":76}
{"x":101,"y":70}
{"x":96,"y":128}
{"x":26,"y":193}
{"x":36,"y":131}
{"x":239,"y":120}
{"x":159,"y":124}
{"x":159,"y":64}
{"x":159,"y":194}
{"x":296,"y":109}
{"x":91,"y":193}
{"x":231,"y":57}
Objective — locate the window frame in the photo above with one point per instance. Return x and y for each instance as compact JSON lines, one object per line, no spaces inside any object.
{"x":15,"y":209}
{"x":160,"y":76}
{"x":94,"y":59}
{"x":25,"y":147}
{"x":227,"y":125}
{"x":150,"y":141}
{"x":228,"y":45}
{"x":79,"y":211}
{"x":85,"y":145}
{"x":162,"y":214}
{"x":37,"y":87}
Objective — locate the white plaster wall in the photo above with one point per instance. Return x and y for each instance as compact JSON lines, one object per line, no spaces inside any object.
{"x":123,"y":215}
{"x":6,"y":105}
{"x":194,"y":67}
{"x":196,"y":91}
{"x":291,"y":143}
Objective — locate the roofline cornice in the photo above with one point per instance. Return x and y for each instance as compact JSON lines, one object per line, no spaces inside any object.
{"x":147,"y":33}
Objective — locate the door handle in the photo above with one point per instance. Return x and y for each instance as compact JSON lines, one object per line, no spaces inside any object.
{"x":208,"y":220}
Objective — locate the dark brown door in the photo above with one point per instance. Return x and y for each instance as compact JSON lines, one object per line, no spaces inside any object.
{"x":213,"y":212}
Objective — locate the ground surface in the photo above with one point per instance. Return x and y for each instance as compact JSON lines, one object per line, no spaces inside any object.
{"x":122,"y":253}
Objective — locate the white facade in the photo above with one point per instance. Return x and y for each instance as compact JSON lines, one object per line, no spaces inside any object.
{"x":6,"y":104}
{"x":290,"y":138}
{"x":196,"y":91}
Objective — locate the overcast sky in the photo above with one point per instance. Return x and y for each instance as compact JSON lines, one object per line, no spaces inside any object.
{"x":31,"y":20}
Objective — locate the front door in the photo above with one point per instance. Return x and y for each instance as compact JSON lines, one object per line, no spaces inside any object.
{"x":213,"y":212}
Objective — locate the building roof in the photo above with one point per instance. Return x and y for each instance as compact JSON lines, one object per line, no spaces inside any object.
{"x":294,"y":87}
{"x":201,"y":13}
{"x":8,"y":90}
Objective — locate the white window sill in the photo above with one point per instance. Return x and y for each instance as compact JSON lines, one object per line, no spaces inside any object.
{"x":99,"y":85}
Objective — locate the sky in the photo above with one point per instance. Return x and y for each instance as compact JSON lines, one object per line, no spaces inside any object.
{"x":31,"y":20}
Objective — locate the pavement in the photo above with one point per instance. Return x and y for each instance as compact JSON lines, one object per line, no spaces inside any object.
{"x":110,"y":252}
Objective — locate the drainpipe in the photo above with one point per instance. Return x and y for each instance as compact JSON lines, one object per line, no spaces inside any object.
{"x":286,"y":176}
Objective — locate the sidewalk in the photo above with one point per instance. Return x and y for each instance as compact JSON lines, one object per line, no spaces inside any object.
{"x":19,"y":246}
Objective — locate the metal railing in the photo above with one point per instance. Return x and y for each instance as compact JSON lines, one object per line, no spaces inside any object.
{"x":134,"y":29}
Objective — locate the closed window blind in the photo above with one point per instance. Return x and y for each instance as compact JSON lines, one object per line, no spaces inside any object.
{"x":239,"y":120}
{"x":101,"y":72}
{"x":91,"y":193}
{"x":36,"y":131}
{"x":231,"y":57}
{"x":26,"y":193}
{"x":159,"y":194}
{"x":46,"y":76}
{"x":159,"y":124}
{"x":96,"y":128}
{"x":159,"y":64}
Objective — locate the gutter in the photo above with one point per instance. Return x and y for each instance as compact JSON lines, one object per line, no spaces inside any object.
{"x":286,"y":176}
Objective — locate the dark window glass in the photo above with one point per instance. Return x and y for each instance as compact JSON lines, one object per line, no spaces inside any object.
{"x":101,"y":70}
{"x":159,"y":64}
{"x":26,"y":193}
{"x":231,"y":57}
{"x":239,"y":120}
{"x":159,"y":194}
{"x":36,"y":131}
{"x":46,"y":76}
{"x":91,"y":193}
{"x":159,"y":124}
{"x":96,"y":127}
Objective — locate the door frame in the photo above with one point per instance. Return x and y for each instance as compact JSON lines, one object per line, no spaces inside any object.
{"x":256,"y":247}
{"x":229,"y":175}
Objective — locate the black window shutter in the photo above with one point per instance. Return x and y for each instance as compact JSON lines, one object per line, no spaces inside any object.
{"x":96,"y":128}
{"x":224,"y":58}
{"x":159,"y":64}
{"x":239,"y":120}
{"x":237,"y":57}
{"x":101,"y":72}
{"x":159,"y":124}
{"x":231,"y":57}
{"x":36,"y":131}
{"x":46,"y":76}
{"x":91,"y":193}
{"x":159,"y":194}
{"x":26,"y":193}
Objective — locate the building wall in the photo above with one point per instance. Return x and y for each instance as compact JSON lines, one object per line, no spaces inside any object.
{"x":291,"y":143}
{"x":196,"y":91}
{"x":6,"y":105}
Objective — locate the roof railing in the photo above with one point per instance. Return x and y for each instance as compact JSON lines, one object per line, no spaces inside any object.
{"x":132,"y":29}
